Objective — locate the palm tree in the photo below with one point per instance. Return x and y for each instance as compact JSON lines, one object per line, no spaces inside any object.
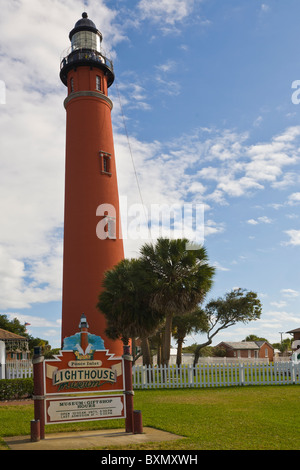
{"x":180,"y":278}
{"x":125,"y":304}
{"x":183,"y":325}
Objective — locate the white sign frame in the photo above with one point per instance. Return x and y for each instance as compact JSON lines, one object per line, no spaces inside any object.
{"x":51,"y":402}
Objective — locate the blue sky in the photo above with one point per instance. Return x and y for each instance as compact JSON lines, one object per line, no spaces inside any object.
{"x":205,"y":90}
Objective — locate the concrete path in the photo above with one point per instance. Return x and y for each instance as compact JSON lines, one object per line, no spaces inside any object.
{"x":89,"y":439}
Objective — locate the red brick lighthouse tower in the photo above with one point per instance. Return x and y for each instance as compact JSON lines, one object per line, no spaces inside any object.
{"x":92,"y":242}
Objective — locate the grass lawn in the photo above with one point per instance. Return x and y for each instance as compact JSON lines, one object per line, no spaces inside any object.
{"x":234,"y":418}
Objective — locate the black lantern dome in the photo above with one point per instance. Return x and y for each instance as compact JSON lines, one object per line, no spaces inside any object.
{"x":84,"y":24}
{"x":86,"y":50}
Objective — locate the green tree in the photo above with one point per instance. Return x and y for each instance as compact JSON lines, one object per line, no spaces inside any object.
{"x":284,"y":346}
{"x":180,"y":279}
{"x":254,"y":338}
{"x":237,"y":306}
{"x":14,"y":326}
{"x":183,"y":325}
{"x":218,"y":351}
{"x":125,"y":304}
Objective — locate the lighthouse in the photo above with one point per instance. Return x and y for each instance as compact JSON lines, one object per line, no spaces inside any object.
{"x":83,"y":327}
{"x":92,"y":237}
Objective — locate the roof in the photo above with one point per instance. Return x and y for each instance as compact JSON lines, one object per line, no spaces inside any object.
{"x":85,"y":21}
{"x":297,"y":330}
{"x":241,"y":344}
{"x":8,"y":335}
{"x":260,"y":343}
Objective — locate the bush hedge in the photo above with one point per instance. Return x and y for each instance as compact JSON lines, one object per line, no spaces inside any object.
{"x":12,"y":389}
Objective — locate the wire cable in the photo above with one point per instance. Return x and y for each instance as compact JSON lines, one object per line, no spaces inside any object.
{"x":131,"y":155}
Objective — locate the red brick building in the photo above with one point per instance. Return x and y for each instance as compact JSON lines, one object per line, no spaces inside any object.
{"x":248,"y":349}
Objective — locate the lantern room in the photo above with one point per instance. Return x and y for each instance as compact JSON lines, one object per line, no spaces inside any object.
{"x":85,"y":50}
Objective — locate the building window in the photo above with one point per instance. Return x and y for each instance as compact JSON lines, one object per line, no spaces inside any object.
{"x":105,"y":163}
{"x":72,"y":85}
{"x":98,"y":83}
{"x":266,"y":352}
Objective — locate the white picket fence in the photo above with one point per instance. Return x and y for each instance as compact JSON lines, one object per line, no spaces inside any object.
{"x":215,"y":375}
{"x":203,"y":375}
{"x":18,"y":369}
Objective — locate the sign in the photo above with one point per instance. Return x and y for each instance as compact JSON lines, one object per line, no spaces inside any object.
{"x":67,"y":410}
{"x":66,"y":374}
{"x":83,"y":366}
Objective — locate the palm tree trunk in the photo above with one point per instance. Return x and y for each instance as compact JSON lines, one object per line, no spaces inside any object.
{"x":146,"y":352}
{"x":159,"y":348}
{"x":167,"y":340}
{"x":133,"y":350}
{"x":147,"y":359}
{"x":179,"y":351}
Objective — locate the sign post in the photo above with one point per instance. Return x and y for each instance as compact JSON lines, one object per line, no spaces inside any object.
{"x":129,"y":423}
{"x":38,"y":424}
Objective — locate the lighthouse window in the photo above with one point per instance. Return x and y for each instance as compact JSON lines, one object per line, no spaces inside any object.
{"x":86,"y":40}
{"x":98,"y":83}
{"x":105,"y":163}
{"x":72,"y":85}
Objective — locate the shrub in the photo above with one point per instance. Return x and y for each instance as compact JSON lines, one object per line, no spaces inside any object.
{"x":12,"y":389}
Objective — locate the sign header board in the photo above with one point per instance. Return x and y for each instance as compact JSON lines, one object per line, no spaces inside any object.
{"x":83,"y":366}
{"x":66,"y":375}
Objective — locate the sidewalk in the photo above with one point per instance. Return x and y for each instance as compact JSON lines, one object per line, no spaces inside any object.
{"x":89,"y":439}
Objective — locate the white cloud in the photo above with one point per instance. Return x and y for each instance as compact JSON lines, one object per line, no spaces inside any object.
{"x":282,"y":316}
{"x":168,"y":87}
{"x":167,"y":12}
{"x":294,"y":199}
{"x":35,"y":321}
{"x":258,"y":121}
{"x":219,"y":267}
{"x":290,"y":293}
{"x":263,"y":220}
{"x":244,"y":169}
{"x":289,"y":179}
{"x":279,"y":304}
{"x":269,"y":159}
{"x":294,"y":237}
{"x":211,"y":227}
{"x":197,"y":187}
{"x":168,"y":66}
{"x":180,"y":158}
